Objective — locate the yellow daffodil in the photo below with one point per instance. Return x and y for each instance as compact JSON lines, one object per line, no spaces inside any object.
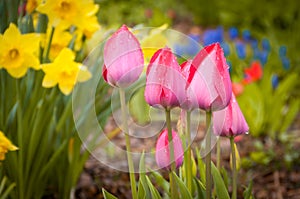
{"x":31,"y":5}
{"x":154,"y":41}
{"x":71,"y":12}
{"x":61,"y":39}
{"x":64,"y":72}
{"x":5,"y":146}
{"x":18,"y":52}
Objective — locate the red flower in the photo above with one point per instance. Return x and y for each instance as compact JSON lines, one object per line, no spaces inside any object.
{"x":253,"y":73}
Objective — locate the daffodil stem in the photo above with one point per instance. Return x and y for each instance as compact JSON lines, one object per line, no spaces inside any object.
{"x":20,"y":142}
{"x":128,"y":144}
{"x":208,"y":155}
{"x":172,"y":157}
{"x":234,"y":171}
{"x":219,"y":154}
{"x":189,"y":153}
{"x":46,"y":58}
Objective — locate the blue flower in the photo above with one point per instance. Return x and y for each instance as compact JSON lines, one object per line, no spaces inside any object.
{"x":247,"y":35}
{"x":275,"y":81}
{"x":213,"y":36}
{"x":266,"y":44}
{"x":240,"y":49}
{"x":226,"y":48}
{"x":263,"y":57}
{"x":282,"y":51}
{"x":233,"y":33}
{"x":285,"y":62}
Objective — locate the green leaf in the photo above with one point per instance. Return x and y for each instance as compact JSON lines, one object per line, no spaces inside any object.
{"x":220,"y":187}
{"x":184,"y":192}
{"x":248,"y":191}
{"x":200,"y":189}
{"x":161,"y":181}
{"x":153,"y":190}
{"x":141,"y":191}
{"x":143,"y":184}
{"x":201,"y":166}
{"x":108,"y":195}
{"x":292,"y":112}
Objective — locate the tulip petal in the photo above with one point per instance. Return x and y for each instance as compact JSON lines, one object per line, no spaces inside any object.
{"x":165,"y":83}
{"x":209,"y":79}
{"x":230,"y":121}
{"x":123,"y":58}
{"x":162,"y":153}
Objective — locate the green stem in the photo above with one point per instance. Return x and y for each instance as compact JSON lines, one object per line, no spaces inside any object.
{"x":218,"y":154}
{"x":172,"y":157}
{"x":234,"y":172}
{"x":46,"y":58}
{"x":208,"y":155}
{"x":20,"y":143}
{"x":189,"y":153}
{"x":128,"y":144}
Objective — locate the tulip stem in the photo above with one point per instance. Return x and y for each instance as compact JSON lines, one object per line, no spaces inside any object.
{"x":189,"y":155}
{"x":128,"y":144}
{"x":219,"y":154}
{"x":171,"y":149}
{"x":208,"y":155}
{"x":234,"y":172}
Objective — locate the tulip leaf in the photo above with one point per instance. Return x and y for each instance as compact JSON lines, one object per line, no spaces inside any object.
{"x":108,"y":195}
{"x":200,"y":189}
{"x":153,"y":190}
{"x":143,"y":190}
{"x":184,"y":192}
{"x":161,"y":181}
{"x":219,"y":184}
{"x":201,"y":166}
{"x":293,"y":110}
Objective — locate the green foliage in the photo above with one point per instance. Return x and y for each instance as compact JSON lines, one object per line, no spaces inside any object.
{"x":108,"y":195}
{"x":220,"y":187}
{"x":4,"y":188}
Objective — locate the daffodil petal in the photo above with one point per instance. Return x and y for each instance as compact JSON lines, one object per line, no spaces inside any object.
{"x":48,"y":82}
{"x":12,"y":34}
{"x":83,"y":74}
{"x":17,"y":72}
{"x":65,"y":89}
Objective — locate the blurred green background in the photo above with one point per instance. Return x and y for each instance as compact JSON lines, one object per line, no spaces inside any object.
{"x":276,"y":19}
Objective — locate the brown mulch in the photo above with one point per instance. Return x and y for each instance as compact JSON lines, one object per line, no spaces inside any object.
{"x":269,"y":182}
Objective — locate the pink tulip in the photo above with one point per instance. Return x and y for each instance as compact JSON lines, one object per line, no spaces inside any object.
{"x":186,"y":68}
{"x":230,"y":121}
{"x":209,"y":79}
{"x":164,"y":83}
{"x":123,"y":58}
{"x":162,"y":153}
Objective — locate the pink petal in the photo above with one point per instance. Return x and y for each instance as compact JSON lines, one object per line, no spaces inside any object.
{"x":210,"y":79}
{"x":123,"y":58}
{"x":164,"y":83}
{"x":230,"y":121}
{"x":162,"y":154}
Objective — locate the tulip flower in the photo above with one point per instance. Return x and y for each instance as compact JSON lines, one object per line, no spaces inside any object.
{"x":164,"y":82}
{"x":162,"y":153}
{"x":209,"y":79}
{"x":123,"y":58}
{"x":230,"y":121}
